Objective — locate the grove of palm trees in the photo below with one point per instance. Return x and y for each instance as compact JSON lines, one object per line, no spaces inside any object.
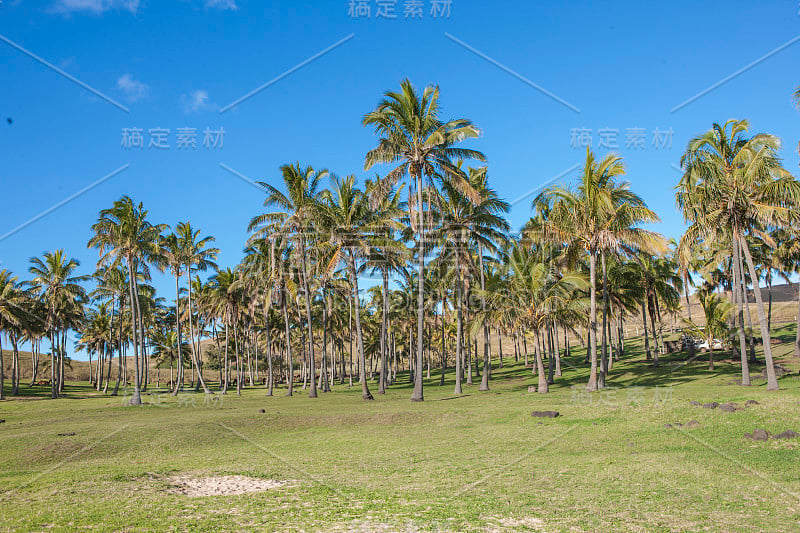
{"x":365,"y":297}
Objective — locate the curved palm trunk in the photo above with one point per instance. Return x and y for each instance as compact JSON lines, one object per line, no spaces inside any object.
{"x":195,"y":347}
{"x":362,"y":363}
{"x":592,"y":385}
{"x":175,"y":388}
{"x":737,"y":295}
{"x":772,"y":380}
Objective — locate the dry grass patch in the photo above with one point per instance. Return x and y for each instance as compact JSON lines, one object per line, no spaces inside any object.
{"x":196,"y":486}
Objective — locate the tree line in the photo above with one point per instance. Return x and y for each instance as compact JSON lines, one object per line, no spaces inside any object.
{"x":448,"y":272}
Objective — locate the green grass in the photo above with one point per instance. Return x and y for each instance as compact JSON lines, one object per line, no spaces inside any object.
{"x":474,"y":462}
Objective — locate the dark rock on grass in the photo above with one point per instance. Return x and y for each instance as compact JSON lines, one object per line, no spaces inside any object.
{"x":692,"y":424}
{"x":710,"y":405}
{"x":695,"y":403}
{"x":545,"y":414}
{"x":2,"y":420}
{"x":730,"y":407}
{"x":262,"y":410}
{"x":779,"y":371}
{"x":788,"y":434}
{"x":758,"y":434}
{"x":66,"y":434}
{"x":748,"y":403}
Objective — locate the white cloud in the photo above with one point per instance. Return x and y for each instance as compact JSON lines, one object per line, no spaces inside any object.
{"x":222,"y":4}
{"x":197,"y":101}
{"x":132,"y":89}
{"x":96,"y":7}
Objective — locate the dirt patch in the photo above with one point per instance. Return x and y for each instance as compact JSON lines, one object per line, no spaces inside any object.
{"x":220,"y":485}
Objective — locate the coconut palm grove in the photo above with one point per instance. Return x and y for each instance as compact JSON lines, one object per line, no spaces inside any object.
{"x":391,"y":352}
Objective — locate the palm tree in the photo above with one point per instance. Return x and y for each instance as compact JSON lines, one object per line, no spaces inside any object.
{"x":347,"y":217}
{"x":197,"y":256}
{"x":124,"y":235}
{"x":411,"y":134}
{"x":601,"y":215}
{"x":294,"y":221}
{"x":734,"y":187}
{"x":11,"y":312}
{"x":54,"y":280}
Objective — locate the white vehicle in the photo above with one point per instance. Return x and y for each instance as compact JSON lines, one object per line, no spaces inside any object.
{"x":702,"y":345}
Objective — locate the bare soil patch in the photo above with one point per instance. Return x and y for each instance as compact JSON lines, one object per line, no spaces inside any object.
{"x":195,"y":486}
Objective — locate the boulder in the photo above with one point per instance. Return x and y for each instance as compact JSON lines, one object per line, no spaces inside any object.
{"x":758,"y":434}
{"x":262,"y":410}
{"x":692,"y":424}
{"x":788,"y":434}
{"x":532,"y":388}
{"x":729,"y":407}
{"x":710,"y":405}
{"x":545,"y":414}
{"x":695,"y":403}
{"x":748,"y":403}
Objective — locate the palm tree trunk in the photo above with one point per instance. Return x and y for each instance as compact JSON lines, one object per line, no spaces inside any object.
{"x":601,"y":382}
{"x":384,"y":330}
{"x":362,"y":364}
{"x":737,"y":296}
{"x":289,"y":361}
{"x":136,"y":399}
{"x":444,"y":355}
{"x":648,"y":352}
{"x":195,"y":348}
{"x":543,"y":386}
{"x":772,"y":380}
{"x":651,"y":309}
{"x":592,"y":385}
{"x":797,"y":328}
{"x":486,"y":363}
{"x":307,"y":297}
{"x":350,"y":333}
{"x":417,"y":395}
{"x":459,"y":339}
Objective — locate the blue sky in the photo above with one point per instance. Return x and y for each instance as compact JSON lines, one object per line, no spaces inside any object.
{"x":177,"y":64}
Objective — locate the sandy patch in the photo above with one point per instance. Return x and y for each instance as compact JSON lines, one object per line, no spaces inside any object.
{"x":220,"y":485}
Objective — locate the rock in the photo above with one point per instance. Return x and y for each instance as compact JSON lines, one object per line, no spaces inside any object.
{"x":710,"y":405}
{"x":695,"y":403}
{"x":66,"y":434}
{"x":729,"y":407}
{"x":532,"y":388}
{"x":788,"y":434}
{"x":262,"y":410}
{"x":692,"y":424}
{"x":545,"y":414}
{"x":667,"y":426}
{"x":750,"y":402}
{"x":758,"y":434}
{"x":2,"y":420}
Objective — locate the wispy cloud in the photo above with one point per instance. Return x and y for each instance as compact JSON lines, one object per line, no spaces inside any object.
{"x":222,"y":4}
{"x":197,"y":101}
{"x":133,"y":90}
{"x":96,"y":7}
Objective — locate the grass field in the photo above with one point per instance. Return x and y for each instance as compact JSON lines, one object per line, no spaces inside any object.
{"x":474,"y":462}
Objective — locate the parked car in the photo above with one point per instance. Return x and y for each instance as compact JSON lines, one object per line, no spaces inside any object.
{"x":702,"y":345}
